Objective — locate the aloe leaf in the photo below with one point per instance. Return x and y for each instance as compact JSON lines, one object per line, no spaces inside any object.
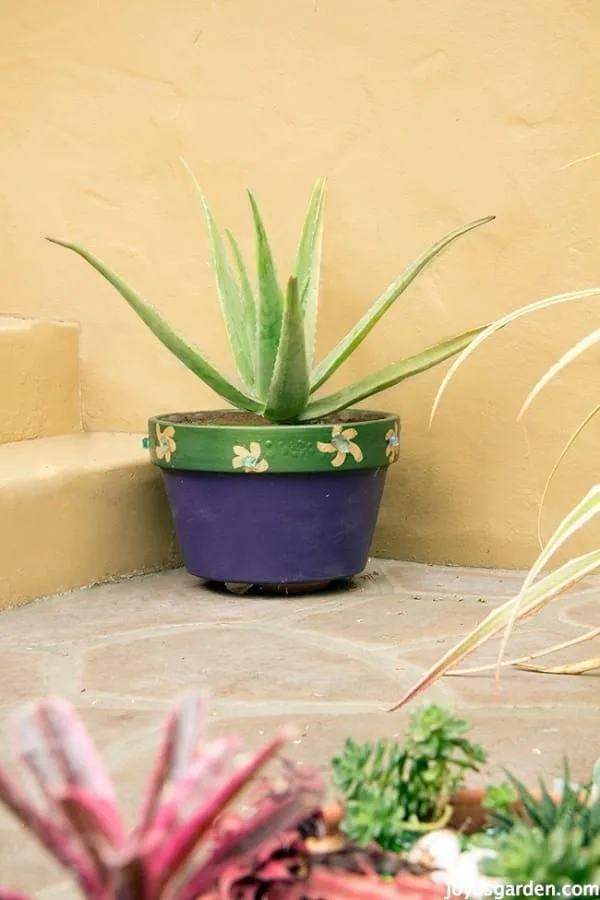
{"x":356,"y":336}
{"x":289,"y":388}
{"x":537,"y":597}
{"x":308,"y":266}
{"x":388,"y":377}
{"x":590,"y":340}
{"x":537,"y":306}
{"x":270,"y":307}
{"x":231,"y":300}
{"x":248,"y":299}
{"x":187,"y":354}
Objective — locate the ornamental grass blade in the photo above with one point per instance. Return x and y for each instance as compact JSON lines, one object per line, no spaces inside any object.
{"x":190,"y":356}
{"x":547,"y":651}
{"x":579,"y":516}
{"x":580,"y":428}
{"x":389,"y":376}
{"x":356,"y":336}
{"x":308,"y":267}
{"x":590,"y":340}
{"x":289,"y":388}
{"x":501,"y":323}
{"x":270,"y":306}
{"x":232,"y":299}
{"x":578,"y":668}
{"x":536,"y":597}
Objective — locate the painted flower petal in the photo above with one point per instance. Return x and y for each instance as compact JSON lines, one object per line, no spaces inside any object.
{"x":337,"y":429}
{"x":254,"y":449}
{"x":325,"y":448}
{"x":240,"y":451}
{"x":171,"y":444}
{"x":356,"y":452}
{"x":389,"y":451}
{"x":237,"y":462}
{"x":169,"y":431}
{"x":168,"y":455}
{"x":390,"y":433}
{"x":349,"y":433}
{"x":261,"y":466}
{"x":159,"y":452}
{"x":338,"y":459}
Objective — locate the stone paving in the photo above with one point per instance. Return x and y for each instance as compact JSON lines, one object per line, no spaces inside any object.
{"x":329,"y":663}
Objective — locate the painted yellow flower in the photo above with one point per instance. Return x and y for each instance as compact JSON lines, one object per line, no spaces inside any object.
{"x":392,"y":451}
{"x":249,"y":460}
{"x":341,"y":444}
{"x":166,"y":445}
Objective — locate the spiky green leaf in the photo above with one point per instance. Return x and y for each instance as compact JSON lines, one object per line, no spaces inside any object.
{"x":356,"y":336}
{"x":308,"y":266}
{"x":248,"y":298}
{"x":232,"y":301}
{"x":270,"y":307}
{"x":290,"y":384}
{"x":189,"y":355}
{"x":389,"y":376}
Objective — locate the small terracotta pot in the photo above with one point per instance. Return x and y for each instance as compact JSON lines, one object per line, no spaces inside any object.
{"x":469,"y":814}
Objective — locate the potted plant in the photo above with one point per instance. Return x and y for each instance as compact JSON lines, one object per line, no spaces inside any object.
{"x":283,"y":489}
{"x":385,"y":840}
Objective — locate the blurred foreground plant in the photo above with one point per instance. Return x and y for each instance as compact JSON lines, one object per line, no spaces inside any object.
{"x":186,"y":843}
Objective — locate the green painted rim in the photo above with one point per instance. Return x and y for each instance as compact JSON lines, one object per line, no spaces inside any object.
{"x":354,"y":443}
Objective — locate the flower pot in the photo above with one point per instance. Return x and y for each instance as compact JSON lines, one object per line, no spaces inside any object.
{"x":469,"y":815}
{"x":274,"y":505}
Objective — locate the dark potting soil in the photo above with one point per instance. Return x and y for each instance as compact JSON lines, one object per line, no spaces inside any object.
{"x":240,"y":418}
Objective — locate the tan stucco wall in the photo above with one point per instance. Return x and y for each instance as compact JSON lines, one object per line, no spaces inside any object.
{"x":421,"y":115}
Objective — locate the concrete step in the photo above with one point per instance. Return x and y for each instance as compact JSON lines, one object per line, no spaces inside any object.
{"x":39,"y":379}
{"x":77,"y":510}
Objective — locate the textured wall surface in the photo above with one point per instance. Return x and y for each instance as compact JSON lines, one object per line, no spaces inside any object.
{"x":422,"y":116}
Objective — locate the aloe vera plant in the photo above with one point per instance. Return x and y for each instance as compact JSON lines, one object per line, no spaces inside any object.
{"x":272,"y":327}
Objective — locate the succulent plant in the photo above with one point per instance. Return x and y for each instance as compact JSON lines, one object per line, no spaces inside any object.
{"x":394,"y":791}
{"x":272,"y":329}
{"x":561,"y":857}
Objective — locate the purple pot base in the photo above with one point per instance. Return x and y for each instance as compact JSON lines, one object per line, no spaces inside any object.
{"x":275,"y":529}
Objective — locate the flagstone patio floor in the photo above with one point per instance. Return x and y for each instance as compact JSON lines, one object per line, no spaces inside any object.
{"x":329,"y":663}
